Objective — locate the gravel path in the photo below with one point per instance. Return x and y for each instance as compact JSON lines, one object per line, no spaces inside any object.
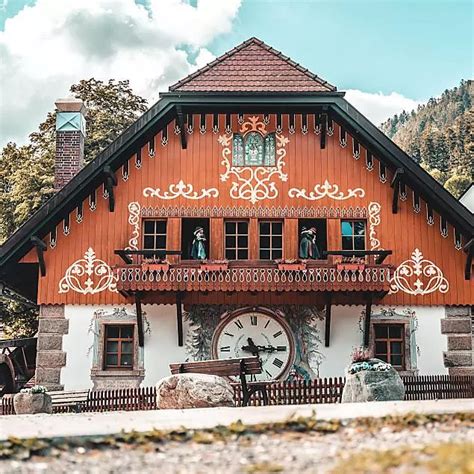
{"x":292,"y":452}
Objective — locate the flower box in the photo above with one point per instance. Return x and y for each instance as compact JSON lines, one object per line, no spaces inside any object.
{"x":291,"y":266}
{"x":214,"y":266}
{"x":352,"y":267}
{"x":156,"y":267}
{"x":33,"y":401}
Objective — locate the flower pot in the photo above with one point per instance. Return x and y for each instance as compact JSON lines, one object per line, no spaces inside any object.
{"x":32,"y":403}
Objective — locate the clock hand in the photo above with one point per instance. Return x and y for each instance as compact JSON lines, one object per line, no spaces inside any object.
{"x":271,"y":348}
{"x":251,"y":347}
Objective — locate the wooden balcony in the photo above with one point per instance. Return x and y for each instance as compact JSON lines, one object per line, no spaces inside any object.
{"x":367,"y":273}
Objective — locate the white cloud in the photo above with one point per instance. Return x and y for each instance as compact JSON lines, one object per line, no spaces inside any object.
{"x":49,"y":46}
{"x":379,"y":107}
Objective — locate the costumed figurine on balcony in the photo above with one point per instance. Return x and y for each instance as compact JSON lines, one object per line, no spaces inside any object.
{"x":308,"y":246}
{"x":198,"y":251}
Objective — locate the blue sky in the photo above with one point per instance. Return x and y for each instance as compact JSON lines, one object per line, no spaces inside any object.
{"x":392,"y":54}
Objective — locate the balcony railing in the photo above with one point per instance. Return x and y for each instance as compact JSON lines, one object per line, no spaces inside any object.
{"x":338,"y":273}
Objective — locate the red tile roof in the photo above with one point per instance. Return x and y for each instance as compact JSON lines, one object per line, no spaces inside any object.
{"x":253,"y":66}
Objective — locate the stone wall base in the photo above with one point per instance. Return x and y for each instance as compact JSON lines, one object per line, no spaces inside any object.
{"x":457,"y":325}
{"x":50,"y":357}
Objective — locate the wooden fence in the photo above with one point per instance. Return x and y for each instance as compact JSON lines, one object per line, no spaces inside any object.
{"x":326,"y":390}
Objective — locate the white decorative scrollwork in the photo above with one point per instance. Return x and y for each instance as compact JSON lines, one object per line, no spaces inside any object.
{"x":134,"y":209}
{"x":417,"y":268}
{"x":88,"y":276}
{"x":374,"y":220}
{"x":180,"y":189}
{"x":253,"y":183}
{"x":325,"y":190}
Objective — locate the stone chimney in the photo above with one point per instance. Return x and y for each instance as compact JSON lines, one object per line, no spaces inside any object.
{"x":70,"y":133}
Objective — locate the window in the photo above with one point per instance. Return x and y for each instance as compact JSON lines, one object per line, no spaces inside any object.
{"x":154,"y":235}
{"x":353,"y":235}
{"x":236,"y":240}
{"x":118,"y":351}
{"x":271,"y":240}
{"x":253,"y":149}
{"x":390,"y":344}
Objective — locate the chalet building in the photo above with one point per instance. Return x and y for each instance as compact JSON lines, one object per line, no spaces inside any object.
{"x":251,"y":210}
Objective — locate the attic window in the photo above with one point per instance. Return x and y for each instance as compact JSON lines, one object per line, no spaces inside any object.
{"x":253,"y":149}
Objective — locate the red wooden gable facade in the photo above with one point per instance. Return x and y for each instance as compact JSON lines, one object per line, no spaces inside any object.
{"x":323,"y":174}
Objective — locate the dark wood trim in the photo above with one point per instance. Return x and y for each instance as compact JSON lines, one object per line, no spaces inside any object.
{"x":469,"y":248}
{"x":395,"y":184}
{"x":368,"y":314}
{"x":179,"y":318}
{"x":138,"y":308}
{"x":181,"y":125}
{"x":327,"y":321}
{"x":40,"y":247}
{"x":324,"y":119}
{"x":110,"y":183}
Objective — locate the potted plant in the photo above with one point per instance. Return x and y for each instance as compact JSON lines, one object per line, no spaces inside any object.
{"x":214,"y":265}
{"x":32,"y":400}
{"x":291,"y":264}
{"x":369,"y":379}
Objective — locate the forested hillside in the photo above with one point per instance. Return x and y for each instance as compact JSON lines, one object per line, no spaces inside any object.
{"x":440,"y":136}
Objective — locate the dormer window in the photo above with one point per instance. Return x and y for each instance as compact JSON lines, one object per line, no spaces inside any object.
{"x":253,"y":149}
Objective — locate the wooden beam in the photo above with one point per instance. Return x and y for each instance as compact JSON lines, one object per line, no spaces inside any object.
{"x":181,"y":125}
{"x":110,"y":183}
{"x":179,"y":318}
{"x":138,"y":309}
{"x":368,"y":314}
{"x":395,"y":184}
{"x":41,"y":247}
{"x":327,"y":321}
{"x":469,"y":247}
{"x":324,"y":119}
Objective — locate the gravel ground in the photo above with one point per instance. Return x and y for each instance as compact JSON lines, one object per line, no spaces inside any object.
{"x":292,"y":452}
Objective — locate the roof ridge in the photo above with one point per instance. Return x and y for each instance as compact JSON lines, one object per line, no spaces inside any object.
{"x":244,"y":44}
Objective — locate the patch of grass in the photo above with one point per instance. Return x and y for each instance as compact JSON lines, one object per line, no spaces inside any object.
{"x":447,"y":458}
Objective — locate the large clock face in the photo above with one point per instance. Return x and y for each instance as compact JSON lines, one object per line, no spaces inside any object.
{"x":256,"y":333}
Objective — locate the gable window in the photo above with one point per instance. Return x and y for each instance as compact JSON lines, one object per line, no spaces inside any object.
{"x":271,"y":240}
{"x":118,"y":346}
{"x":390,"y":344}
{"x":154,"y":234}
{"x":353,"y":235}
{"x":236,"y":240}
{"x":253,"y":149}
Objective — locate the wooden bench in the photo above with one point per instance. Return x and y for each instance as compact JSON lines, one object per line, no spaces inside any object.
{"x":228,"y":368}
{"x":73,"y":399}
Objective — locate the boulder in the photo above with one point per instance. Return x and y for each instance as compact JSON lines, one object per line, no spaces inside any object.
{"x":32,"y":403}
{"x":370,"y":385}
{"x":194,"y":391}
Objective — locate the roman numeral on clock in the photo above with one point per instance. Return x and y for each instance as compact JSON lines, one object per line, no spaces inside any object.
{"x":277,"y":362}
{"x":225,"y":348}
{"x":277,"y":334}
{"x":253,"y":320}
{"x":281,"y":348}
{"x":229,"y":334}
{"x":239,"y":324}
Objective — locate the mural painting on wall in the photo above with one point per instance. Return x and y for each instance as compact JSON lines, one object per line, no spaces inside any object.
{"x":301,"y":320}
{"x":88,"y":275}
{"x":418,"y":276}
{"x":254,"y":157}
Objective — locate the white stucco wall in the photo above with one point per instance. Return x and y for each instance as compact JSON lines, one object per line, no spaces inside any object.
{"x":346,"y":335}
{"x":161,"y":344}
